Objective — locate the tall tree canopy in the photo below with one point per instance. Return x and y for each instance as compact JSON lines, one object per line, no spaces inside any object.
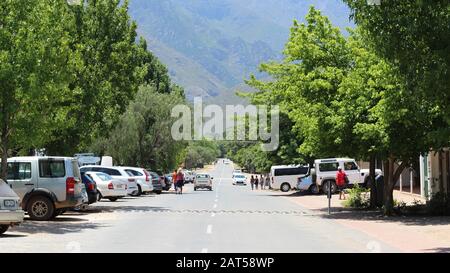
{"x":345,"y":100}
{"x":414,"y":35}
{"x":36,"y":64}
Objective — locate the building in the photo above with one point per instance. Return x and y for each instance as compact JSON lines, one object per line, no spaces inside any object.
{"x":435,"y":173}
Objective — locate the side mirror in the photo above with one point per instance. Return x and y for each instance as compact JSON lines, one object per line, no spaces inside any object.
{"x":212,"y":177}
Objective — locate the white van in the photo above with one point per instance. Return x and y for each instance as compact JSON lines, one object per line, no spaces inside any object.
{"x":47,"y":186}
{"x":285,"y":177}
{"x":10,"y":212}
{"x":326,"y":171}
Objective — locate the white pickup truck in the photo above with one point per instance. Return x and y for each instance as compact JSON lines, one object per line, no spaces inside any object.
{"x":326,"y":171}
{"x":10,"y":211}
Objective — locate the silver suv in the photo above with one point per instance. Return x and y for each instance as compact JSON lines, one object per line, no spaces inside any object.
{"x":47,"y":186}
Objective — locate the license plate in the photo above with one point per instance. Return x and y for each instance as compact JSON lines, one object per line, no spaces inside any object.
{"x":9,"y":203}
{"x":119,"y":186}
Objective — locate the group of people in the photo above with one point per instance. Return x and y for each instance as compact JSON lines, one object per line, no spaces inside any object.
{"x":178,"y":181}
{"x":263,"y":181}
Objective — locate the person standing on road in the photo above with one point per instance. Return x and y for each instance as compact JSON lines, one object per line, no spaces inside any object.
{"x":256,"y":181}
{"x":268,"y":182}
{"x":261,"y":178}
{"x":340,"y":182}
{"x":174,"y":180}
{"x":180,"y":181}
{"x":252,"y":182}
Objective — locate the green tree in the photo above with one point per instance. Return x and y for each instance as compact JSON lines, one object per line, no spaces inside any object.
{"x":414,"y":35}
{"x":344,"y":100}
{"x":376,"y":115}
{"x":306,"y":83}
{"x":112,"y":67}
{"x":200,"y":153}
{"x":35,"y":71}
{"x":142,"y":136}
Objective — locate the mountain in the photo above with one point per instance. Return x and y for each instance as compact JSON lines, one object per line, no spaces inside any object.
{"x":211,"y":46}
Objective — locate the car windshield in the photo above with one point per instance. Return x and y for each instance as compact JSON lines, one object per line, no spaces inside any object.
{"x":202,"y":176}
{"x":239,"y":176}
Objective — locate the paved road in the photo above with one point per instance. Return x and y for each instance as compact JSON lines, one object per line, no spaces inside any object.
{"x":229,"y":219}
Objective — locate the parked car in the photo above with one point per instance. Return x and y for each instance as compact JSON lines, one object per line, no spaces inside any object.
{"x":108,"y":187}
{"x":85,"y":200}
{"x":157,"y":185}
{"x":239,"y":179}
{"x":47,"y":186}
{"x":91,"y":188}
{"x":87,"y":159}
{"x":10,"y":212}
{"x":189,"y":176}
{"x":169,"y":181}
{"x":326,"y":171}
{"x":117,"y":173}
{"x":308,"y":182}
{"x":285,"y":177}
{"x":166,"y":180}
{"x":203,"y":181}
{"x":143,"y":179}
{"x":236,"y":172}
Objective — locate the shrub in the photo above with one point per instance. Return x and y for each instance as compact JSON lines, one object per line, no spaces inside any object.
{"x":439,"y":204}
{"x":357,"y":198}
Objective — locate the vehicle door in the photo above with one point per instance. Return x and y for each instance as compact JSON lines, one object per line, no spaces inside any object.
{"x":20,"y":177}
{"x":352,"y":171}
{"x":326,"y":170}
{"x":52,"y":176}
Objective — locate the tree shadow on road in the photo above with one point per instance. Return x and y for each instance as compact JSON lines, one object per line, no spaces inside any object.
{"x":285,"y":194}
{"x":60,"y":225}
{"x":339,"y":213}
{"x":6,"y":235}
{"x":439,"y":250}
{"x":127,"y":209}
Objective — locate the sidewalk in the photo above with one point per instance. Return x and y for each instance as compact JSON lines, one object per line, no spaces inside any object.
{"x":408,"y":234}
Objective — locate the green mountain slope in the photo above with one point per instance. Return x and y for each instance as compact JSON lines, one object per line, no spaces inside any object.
{"x":211,"y":46}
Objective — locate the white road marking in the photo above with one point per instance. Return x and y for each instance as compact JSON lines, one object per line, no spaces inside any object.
{"x":204,"y":250}
{"x":209,"y":229}
{"x":213,"y":214}
{"x":215,"y":206}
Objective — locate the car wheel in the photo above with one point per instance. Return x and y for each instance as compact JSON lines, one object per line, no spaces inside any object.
{"x":285,"y":187}
{"x":113,"y":199}
{"x":139,"y":191}
{"x":3,"y":228}
{"x":195,"y":189}
{"x":158,"y":192}
{"x":325,"y":187}
{"x":40,"y":208}
{"x":314,"y":189}
{"x":99,"y":196}
{"x":210,"y":189}
{"x":84,"y":207}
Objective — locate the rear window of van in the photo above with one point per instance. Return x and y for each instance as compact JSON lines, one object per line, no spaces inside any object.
{"x":291,"y":171}
{"x":52,"y":168}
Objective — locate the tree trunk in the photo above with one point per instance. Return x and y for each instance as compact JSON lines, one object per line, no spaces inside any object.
{"x":388,"y":198}
{"x":4,"y":146}
{"x":373,"y":186}
{"x":391,"y":175}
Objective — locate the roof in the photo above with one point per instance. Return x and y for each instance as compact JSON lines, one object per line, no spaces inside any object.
{"x":39,"y":157}
{"x":289,"y":166}
{"x":333,"y":159}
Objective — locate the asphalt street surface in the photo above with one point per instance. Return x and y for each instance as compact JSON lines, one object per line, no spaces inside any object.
{"x":229,"y":219}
